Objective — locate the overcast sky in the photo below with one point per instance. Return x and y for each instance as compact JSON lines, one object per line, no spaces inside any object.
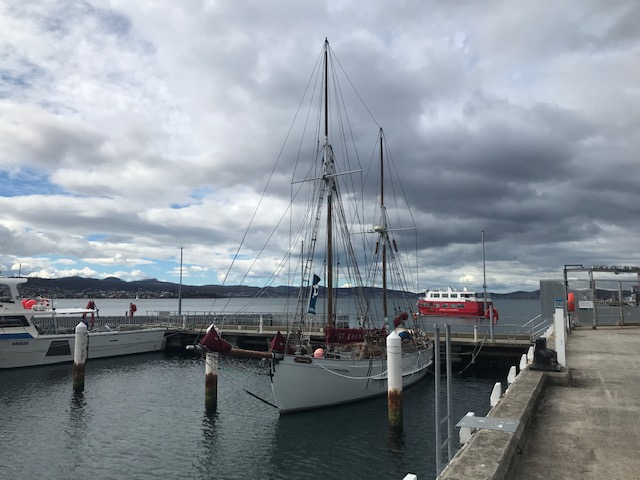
{"x":129,"y":129}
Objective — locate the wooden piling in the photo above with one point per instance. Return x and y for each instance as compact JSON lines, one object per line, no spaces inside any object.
{"x":211,"y":381}
{"x":80,"y":356}
{"x":394,"y":380}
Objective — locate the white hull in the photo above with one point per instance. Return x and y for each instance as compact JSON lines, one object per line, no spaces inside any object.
{"x":50,"y":349}
{"x":326,"y":382}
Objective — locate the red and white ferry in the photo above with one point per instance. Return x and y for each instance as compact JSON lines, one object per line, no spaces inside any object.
{"x":455,"y":303}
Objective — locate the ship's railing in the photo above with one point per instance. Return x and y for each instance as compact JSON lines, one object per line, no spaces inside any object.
{"x":510,"y":328}
{"x":187,"y":321}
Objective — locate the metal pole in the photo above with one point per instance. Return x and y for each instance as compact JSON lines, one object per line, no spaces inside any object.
{"x":449,"y":401}
{"x":621,"y":303}
{"x":180,"y":286}
{"x":566,"y":297}
{"x":484,"y":286}
{"x":436,"y":359}
{"x":592,"y":284}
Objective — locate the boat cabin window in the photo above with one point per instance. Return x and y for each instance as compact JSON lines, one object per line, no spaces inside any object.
{"x":8,"y":321}
{"x":454,"y":295}
{"x":445,"y":295}
{"x":466,"y":295}
{"x":436,"y":295}
{"x":5,"y":294}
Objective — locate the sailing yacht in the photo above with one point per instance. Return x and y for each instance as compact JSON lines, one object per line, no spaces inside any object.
{"x":334,"y":248}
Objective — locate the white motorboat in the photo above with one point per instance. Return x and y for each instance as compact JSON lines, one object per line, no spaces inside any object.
{"x":26,"y":342}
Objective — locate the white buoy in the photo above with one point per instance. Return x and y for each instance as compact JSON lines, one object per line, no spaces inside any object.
{"x":394,"y":376}
{"x":410,"y":476}
{"x":475,"y":333}
{"x":261,"y":325}
{"x":80,"y":356}
{"x":466,"y":432}
{"x":511,"y":376}
{"x":496,"y":393}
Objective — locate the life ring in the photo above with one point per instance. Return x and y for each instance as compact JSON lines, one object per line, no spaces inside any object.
{"x":571,"y":302}
{"x":489,"y":312}
{"x":28,"y":304}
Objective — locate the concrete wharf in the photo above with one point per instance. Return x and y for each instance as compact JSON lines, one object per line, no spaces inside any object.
{"x":581,"y":422}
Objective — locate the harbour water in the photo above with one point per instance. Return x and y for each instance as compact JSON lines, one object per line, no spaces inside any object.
{"x":143,"y":417}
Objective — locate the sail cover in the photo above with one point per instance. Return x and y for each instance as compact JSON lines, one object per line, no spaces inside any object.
{"x":213,"y":342}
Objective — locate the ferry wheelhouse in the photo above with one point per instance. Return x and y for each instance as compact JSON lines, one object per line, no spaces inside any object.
{"x":455,"y":303}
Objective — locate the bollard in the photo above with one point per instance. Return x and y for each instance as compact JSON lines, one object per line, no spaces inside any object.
{"x":466,"y":432}
{"x":211,"y":381}
{"x":394,"y":379}
{"x":511,"y":376}
{"x":530,"y":354}
{"x":496,"y":393}
{"x":80,"y":356}
{"x":523,"y":362}
{"x":561,"y":333}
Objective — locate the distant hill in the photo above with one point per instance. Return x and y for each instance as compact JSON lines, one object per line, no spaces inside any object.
{"x":112,"y":287}
{"x":535,"y":295}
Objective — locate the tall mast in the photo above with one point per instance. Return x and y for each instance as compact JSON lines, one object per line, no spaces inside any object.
{"x":384,"y":233}
{"x":328,"y":172}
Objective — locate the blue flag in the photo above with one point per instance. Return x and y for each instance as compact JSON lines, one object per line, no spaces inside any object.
{"x":314,"y":294}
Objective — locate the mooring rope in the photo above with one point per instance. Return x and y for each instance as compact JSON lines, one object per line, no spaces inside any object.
{"x":377,"y":376}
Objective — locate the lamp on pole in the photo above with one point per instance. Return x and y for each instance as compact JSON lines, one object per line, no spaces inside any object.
{"x":180,"y":287}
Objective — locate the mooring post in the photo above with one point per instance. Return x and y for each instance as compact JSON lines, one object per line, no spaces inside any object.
{"x":211,"y":381}
{"x":80,"y":356}
{"x":394,"y":379}
{"x":560,"y":332}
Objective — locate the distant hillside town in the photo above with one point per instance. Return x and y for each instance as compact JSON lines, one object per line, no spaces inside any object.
{"x":111,"y":287}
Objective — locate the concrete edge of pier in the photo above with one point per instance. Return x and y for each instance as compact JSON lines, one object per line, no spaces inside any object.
{"x":493,"y":454}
